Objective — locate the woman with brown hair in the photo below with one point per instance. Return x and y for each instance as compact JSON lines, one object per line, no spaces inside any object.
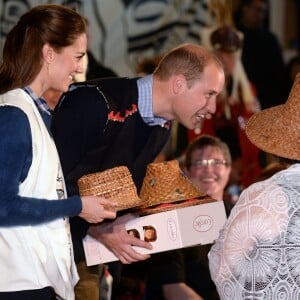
{"x":43,"y":51}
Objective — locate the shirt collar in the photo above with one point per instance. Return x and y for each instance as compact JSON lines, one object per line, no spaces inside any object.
{"x":40,"y":102}
{"x":145,"y":101}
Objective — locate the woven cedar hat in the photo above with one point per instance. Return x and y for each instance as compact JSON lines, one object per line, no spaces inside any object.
{"x":115,"y":184}
{"x":165,"y":182}
{"x":276,"y":130}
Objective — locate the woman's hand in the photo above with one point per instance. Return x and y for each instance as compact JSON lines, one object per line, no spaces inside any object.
{"x":95,"y":209}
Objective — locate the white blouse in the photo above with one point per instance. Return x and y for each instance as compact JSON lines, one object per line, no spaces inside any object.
{"x":257,"y":255}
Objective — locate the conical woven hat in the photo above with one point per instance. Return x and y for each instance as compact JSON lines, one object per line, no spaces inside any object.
{"x":276,"y":130}
{"x":115,"y":184}
{"x":165,"y":182}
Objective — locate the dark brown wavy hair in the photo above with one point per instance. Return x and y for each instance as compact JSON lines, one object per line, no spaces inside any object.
{"x":56,"y":25}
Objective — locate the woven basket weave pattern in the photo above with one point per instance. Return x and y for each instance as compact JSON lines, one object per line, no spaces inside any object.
{"x":115,"y":184}
{"x":165,"y":183}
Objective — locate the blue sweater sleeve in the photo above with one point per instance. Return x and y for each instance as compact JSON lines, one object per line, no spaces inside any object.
{"x":15,"y":161}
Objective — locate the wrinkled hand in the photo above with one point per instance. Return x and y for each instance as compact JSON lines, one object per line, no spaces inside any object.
{"x":95,"y":209}
{"x":115,"y":237}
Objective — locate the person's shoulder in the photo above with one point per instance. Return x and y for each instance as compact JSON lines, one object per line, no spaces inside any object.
{"x":82,"y":99}
{"x":80,"y":93}
{"x":83,"y":87}
{"x":96,"y":91}
{"x":115,"y":86}
{"x":265,"y":186}
{"x":11,"y":112}
{"x":266,"y":35}
{"x":13,"y":119}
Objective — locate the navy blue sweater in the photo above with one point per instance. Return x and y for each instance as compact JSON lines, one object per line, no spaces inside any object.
{"x":97,"y":126}
{"x":15,"y":162}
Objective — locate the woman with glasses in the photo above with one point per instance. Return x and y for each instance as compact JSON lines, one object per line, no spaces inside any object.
{"x":184,"y":274}
{"x":208,"y":165}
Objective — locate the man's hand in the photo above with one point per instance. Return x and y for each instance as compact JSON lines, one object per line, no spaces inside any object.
{"x":95,"y":209}
{"x":115,"y":237}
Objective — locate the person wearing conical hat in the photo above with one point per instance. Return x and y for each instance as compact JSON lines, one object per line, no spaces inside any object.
{"x":257,"y":253}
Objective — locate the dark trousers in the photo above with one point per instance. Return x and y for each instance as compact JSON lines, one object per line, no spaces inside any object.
{"x":46,"y":293}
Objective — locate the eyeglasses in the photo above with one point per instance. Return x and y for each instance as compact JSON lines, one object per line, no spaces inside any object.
{"x":209,"y":162}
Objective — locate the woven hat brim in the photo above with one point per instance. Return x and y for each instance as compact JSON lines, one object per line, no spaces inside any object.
{"x":276,"y":131}
{"x":126,"y":204}
{"x":170,"y":206}
{"x":115,"y":184}
{"x":171,"y":198}
{"x":123,"y":203}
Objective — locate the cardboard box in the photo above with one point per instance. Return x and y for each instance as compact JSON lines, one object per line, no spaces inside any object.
{"x":173,"y":229}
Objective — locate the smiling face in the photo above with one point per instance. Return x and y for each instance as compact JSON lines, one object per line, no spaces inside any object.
{"x":193,"y":104}
{"x":211,"y":179}
{"x":66,"y":64}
